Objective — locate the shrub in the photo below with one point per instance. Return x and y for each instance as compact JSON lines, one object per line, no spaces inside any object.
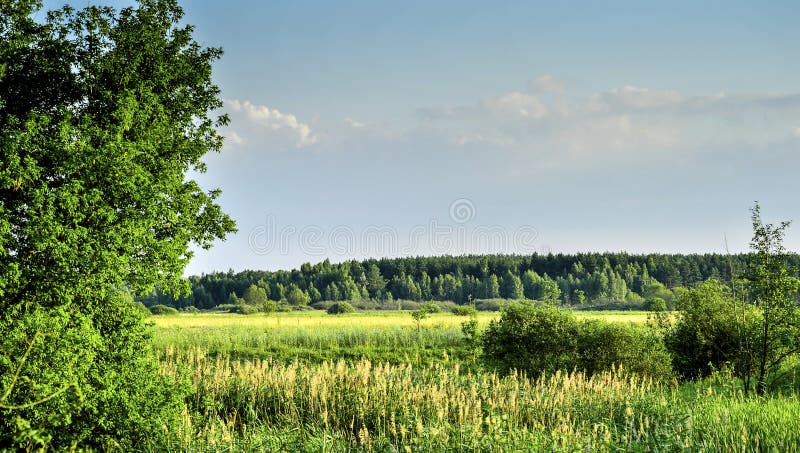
{"x":464,"y":310}
{"x":544,"y":339}
{"x":365,"y":304}
{"x":490,"y":304}
{"x":612,"y":305}
{"x":322,"y":304}
{"x":655,"y":304}
{"x":244,"y":309}
{"x":531,"y":339}
{"x":430,"y":307}
{"x":88,"y":378}
{"x":190,"y":309}
{"x":339,"y":308}
{"x":711,"y":331}
{"x":141,"y":308}
{"x":163,"y":310}
{"x":640,"y":349}
{"x":270,"y":306}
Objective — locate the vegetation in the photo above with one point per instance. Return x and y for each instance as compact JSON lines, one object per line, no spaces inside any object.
{"x":386,"y":397}
{"x":339,"y":308}
{"x":543,"y":340}
{"x":772,"y":285}
{"x":616,"y":281}
{"x":102,"y":114}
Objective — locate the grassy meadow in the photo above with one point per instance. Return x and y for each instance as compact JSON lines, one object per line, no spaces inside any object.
{"x":314,"y":336}
{"x":308,"y":381}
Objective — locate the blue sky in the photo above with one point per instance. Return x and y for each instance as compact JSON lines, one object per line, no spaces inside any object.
{"x":371,"y":128}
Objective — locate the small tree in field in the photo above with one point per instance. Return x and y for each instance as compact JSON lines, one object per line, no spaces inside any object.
{"x":423,"y":312}
{"x":772,"y":287}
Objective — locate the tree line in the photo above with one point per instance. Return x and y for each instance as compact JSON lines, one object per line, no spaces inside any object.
{"x":576,"y":279}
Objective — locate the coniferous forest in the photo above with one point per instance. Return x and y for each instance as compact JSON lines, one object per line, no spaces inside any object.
{"x":615,"y":280}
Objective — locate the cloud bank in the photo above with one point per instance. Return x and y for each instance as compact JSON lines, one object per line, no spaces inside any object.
{"x":548,"y":123}
{"x":267,"y":124}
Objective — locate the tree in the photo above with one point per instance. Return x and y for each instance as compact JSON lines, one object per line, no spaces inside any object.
{"x":423,"y":312}
{"x":255,"y":295}
{"x":491,"y":289}
{"x":551,"y":293}
{"x":297,"y":297}
{"x":531,"y":339}
{"x":375,"y":281}
{"x":710,"y":332}
{"x":772,"y":286}
{"x":102,"y":114}
{"x":512,"y":286}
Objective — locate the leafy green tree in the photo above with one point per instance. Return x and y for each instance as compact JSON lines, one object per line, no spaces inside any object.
{"x":233,"y":299}
{"x":419,"y":316}
{"x":297,"y":297}
{"x":711,"y":332}
{"x":531,"y":339}
{"x":491,"y":287}
{"x":375,"y":281}
{"x":772,"y":285}
{"x":551,"y":293}
{"x":255,"y":296}
{"x":655,"y":304}
{"x":512,"y":286}
{"x":530,"y":284}
{"x":102,"y":115}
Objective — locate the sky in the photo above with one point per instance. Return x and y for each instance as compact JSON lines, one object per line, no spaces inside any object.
{"x":366,"y":129}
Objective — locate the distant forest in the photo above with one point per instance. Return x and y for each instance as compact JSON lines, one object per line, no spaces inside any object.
{"x":580,"y":279}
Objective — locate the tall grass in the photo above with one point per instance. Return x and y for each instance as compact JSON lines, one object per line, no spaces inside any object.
{"x":268,"y":402}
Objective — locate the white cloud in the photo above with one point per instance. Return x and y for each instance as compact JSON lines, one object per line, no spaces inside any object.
{"x":355,"y":124}
{"x":546,"y":84}
{"x":517,"y":104}
{"x":234,"y":138}
{"x":625,"y":121}
{"x":631,"y":97}
{"x":272,"y":120}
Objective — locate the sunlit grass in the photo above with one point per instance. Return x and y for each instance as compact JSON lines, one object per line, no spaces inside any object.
{"x":316,"y":336}
{"x":308,"y":381}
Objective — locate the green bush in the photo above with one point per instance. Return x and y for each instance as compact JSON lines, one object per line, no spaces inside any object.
{"x":244,"y":309}
{"x":322,"y":305}
{"x":142,"y":308}
{"x":655,"y":304}
{"x":640,"y":349}
{"x":339,"y":308}
{"x":270,"y":306}
{"x":163,"y":310}
{"x":430,"y":307}
{"x":490,"y":304}
{"x":711,"y":331}
{"x":365,"y":304}
{"x":464,"y":310}
{"x":531,"y":339}
{"x":542,"y":339}
{"x":78,"y":378}
{"x":190,"y":309}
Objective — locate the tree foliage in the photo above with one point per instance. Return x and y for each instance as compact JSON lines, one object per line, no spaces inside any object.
{"x":712,"y":331}
{"x":102,"y":114}
{"x":544,"y":339}
{"x":772,"y":286}
{"x":590,"y":279}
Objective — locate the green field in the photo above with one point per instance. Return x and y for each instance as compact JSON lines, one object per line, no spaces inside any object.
{"x":316,"y":336}
{"x":308,"y":381}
